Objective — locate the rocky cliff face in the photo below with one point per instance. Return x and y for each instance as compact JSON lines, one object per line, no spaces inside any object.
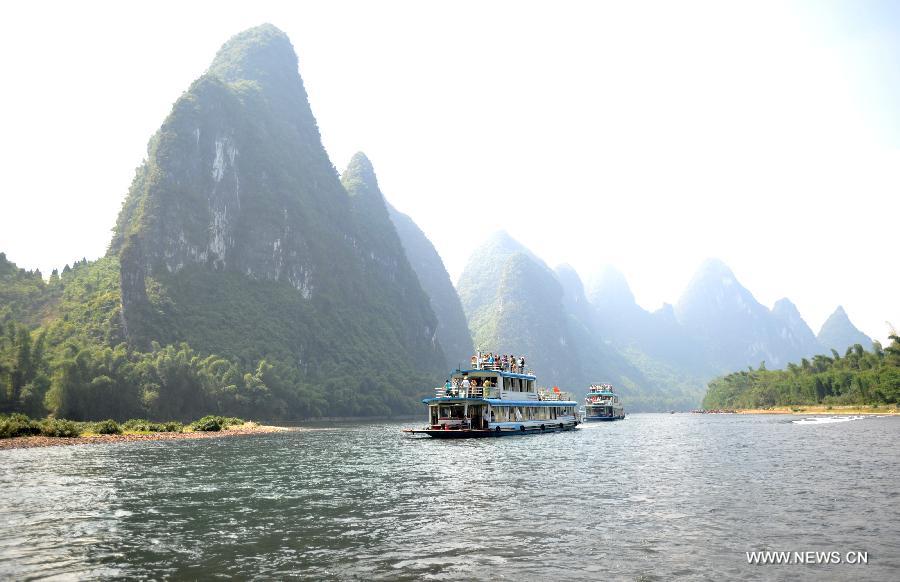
{"x":839,"y":333}
{"x":452,"y":328}
{"x":238,"y":235}
{"x":798,"y":339}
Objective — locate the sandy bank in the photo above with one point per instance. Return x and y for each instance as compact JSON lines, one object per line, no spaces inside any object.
{"x":834,"y":410}
{"x":42,"y":441}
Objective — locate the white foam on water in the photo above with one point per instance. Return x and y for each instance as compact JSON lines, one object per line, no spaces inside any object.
{"x":826,"y":419}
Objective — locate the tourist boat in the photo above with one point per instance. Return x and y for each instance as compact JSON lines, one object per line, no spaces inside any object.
{"x":602,"y":403}
{"x":487,"y":400}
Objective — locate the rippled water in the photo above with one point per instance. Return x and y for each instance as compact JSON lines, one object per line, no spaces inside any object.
{"x":655,"y":497}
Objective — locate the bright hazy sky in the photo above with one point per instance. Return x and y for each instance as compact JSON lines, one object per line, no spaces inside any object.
{"x":645,"y":135}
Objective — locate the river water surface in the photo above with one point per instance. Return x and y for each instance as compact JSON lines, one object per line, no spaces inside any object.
{"x":655,"y":497}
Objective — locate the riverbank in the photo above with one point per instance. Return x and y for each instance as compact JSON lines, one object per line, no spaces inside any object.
{"x":817,"y":409}
{"x":27,"y":442}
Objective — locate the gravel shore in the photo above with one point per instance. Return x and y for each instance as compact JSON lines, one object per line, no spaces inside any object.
{"x":42,"y":441}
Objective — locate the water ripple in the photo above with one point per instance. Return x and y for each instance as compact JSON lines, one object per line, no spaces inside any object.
{"x":653,"y":498}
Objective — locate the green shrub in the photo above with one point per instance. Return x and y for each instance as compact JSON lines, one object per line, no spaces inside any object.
{"x":54,"y":427}
{"x":209,"y":424}
{"x":107,"y":427}
{"x":232,"y":421}
{"x":135,"y":424}
{"x":143,"y":425}
{"x":18,"y":425}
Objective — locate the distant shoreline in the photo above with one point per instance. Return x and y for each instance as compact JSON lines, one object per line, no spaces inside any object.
{"x":29,"y":442}
{"x":818,"y":409}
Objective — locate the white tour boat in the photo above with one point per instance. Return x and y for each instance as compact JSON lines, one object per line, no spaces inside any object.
{"x":602,"y":403}
{"x":492,"y":399}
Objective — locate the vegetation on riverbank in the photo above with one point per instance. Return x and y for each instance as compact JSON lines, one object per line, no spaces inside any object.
{"x":62,"y":353}
{"x":20,"y":425}
{"x":858,"y":378}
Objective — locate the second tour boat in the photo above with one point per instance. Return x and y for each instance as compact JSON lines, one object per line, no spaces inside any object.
{"x":602,"y":403}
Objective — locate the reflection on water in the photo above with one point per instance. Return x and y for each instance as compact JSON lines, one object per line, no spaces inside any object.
{"x":651,"y":498}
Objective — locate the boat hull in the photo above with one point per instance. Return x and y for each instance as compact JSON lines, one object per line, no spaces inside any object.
{"x":476,"y":434}
{"x":603,"y":418}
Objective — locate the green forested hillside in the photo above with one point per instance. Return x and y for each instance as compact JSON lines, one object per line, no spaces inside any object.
{"x":857,"y":377}
{"x":242,"y":277}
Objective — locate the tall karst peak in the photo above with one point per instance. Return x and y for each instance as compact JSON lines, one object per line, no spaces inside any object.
{"x":839,"y":333}
{"x":263,"y":53}
{"x":609,"y":287}
{"x":369,"y":208}
{"x":260,"y":62}
{"x":480,"y":278}
{"x":715,"y":269}
{"x":238,"y":194}
{"x":712,"y":287}
{"x":574,"y":298}
{"x":569,"y":279}
{"x":360,"y":176}
{"x":792,"y":328}
{"x":502,"y":241}
{"x":785,"y":310}
{"x":734,"y":327}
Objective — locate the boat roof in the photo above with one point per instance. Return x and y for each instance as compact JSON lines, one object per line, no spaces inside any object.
{"x":498,"y":402}
{"x":503,"y":373}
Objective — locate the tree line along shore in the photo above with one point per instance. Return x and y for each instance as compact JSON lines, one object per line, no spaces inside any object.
{"x":857,"y":381}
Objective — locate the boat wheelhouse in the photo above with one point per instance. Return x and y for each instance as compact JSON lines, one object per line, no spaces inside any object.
{"x":602,"y":403}
{"x":493,"y":400}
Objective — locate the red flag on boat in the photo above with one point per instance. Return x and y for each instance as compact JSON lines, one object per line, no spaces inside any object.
{"x":556,"y":389}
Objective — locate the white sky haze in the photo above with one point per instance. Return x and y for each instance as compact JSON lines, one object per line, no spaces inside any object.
{"x":645,"y":135}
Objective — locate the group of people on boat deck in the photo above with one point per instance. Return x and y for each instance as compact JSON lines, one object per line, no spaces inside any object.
{"x":455,"y":387}
{"x":507,"y":363}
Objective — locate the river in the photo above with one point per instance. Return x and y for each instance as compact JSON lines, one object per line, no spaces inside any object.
{"x":654,"y":497}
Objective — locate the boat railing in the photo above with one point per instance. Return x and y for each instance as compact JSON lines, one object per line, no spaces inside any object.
{"x":553,"y":396}
{"x":499,"y":367}
{"x":471,"y":392}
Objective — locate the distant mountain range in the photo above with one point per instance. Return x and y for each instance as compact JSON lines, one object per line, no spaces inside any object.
{"x":662,"y":359}
{"x":246,"y":276}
